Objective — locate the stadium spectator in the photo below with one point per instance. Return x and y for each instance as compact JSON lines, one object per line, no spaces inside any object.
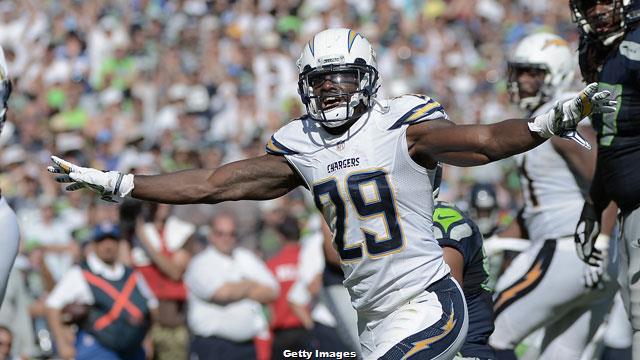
{"x":15,"y":315}
{"x":6,"y":341}
{"x":290,"y":326}
{"x":329,"y":315}
{"x":55,"y":239}
{"x":162,"y":256}
{"x":117,"y":304}
{"x":226,"y":287}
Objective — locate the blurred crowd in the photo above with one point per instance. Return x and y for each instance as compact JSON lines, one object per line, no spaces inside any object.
{"x":149,"y":86}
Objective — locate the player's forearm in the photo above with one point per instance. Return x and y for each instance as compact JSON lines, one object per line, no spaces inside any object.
{"x":597,"y":192}
{"x":609,"y":216}
{"x":183,"y":187}
{"x":470,"y":145}
{"x":508,"y":138}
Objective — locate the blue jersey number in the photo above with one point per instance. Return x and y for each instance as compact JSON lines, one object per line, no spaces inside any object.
{"x":371,"y":196}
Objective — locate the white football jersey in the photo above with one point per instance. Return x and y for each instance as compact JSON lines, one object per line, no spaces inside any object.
{"x":553,"y":198}
{"x":376,"y":199}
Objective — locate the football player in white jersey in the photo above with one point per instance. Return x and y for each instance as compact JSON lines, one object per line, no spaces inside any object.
{"x":369,"y":163}
{"x":544,"y":285}
{"x":8,"y":220}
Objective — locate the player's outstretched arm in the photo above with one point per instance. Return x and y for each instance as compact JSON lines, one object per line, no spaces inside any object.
{"x":260,"y":178}
{"x":470,"y":145}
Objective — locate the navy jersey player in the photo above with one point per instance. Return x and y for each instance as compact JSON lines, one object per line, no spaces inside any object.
{"x":610,"y":54}
{"x":543,"y":286}
{"x":461,"y":241}
{"x":370,"y":164}
{"x":8,"y":220}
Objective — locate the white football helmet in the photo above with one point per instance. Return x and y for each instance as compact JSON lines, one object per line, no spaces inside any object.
{"x":549,"y":53}
{"x":338,"y":76}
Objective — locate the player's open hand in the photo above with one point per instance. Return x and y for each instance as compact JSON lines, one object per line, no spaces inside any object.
{"x":105,"y":183}
{"x":589,"y":101}
{"x":563,"y":119}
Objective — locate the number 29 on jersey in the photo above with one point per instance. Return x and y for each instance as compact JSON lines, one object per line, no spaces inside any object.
{"x":371,"y":196}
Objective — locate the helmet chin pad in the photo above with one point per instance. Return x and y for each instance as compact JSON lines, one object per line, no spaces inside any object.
{"x":335,"y":117}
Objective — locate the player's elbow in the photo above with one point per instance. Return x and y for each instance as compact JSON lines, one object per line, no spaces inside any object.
{"x":490,"y":146}
{"x":201,"y":193}
{"x":209,"y":191}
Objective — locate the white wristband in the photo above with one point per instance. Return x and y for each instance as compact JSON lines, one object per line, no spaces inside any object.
{"x":602,"y":242}
{"x":126,"y":186}
{"x":542,"y":124}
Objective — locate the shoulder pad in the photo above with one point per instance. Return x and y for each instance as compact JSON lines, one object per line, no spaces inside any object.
{"x":274,"y":147}
{"x":446,"y":215}
{"x":451,"y":222}
{"x":414,"y":109}
{"x":630,"y":49}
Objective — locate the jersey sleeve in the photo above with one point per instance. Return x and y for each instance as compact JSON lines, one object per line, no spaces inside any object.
{"x":289,"y":139}
{"x":275,"y":147}
{"x":415,"y":109}
{"x":452,"y":228}
{"x":296,"y":143}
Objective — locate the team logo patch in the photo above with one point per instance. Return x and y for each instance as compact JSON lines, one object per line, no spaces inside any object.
{"x":311,"y":45}
{"x":554,"y":42}
{"x":528,"y":281}
{"x":426,"y":343}
{"x":351,"y":38}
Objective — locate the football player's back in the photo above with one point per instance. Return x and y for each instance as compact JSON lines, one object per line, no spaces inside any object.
{"x":455,"y":229}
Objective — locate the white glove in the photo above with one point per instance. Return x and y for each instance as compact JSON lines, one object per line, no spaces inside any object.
{"x":105,"y":183}
{"x":586,"y":234}
{"x":596,"y":275}
{"x":563,"y":119}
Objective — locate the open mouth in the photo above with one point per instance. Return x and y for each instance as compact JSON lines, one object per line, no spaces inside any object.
{"x":332,"y":102}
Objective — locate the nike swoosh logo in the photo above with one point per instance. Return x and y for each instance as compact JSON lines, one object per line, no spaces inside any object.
{"x":445,"y":217}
